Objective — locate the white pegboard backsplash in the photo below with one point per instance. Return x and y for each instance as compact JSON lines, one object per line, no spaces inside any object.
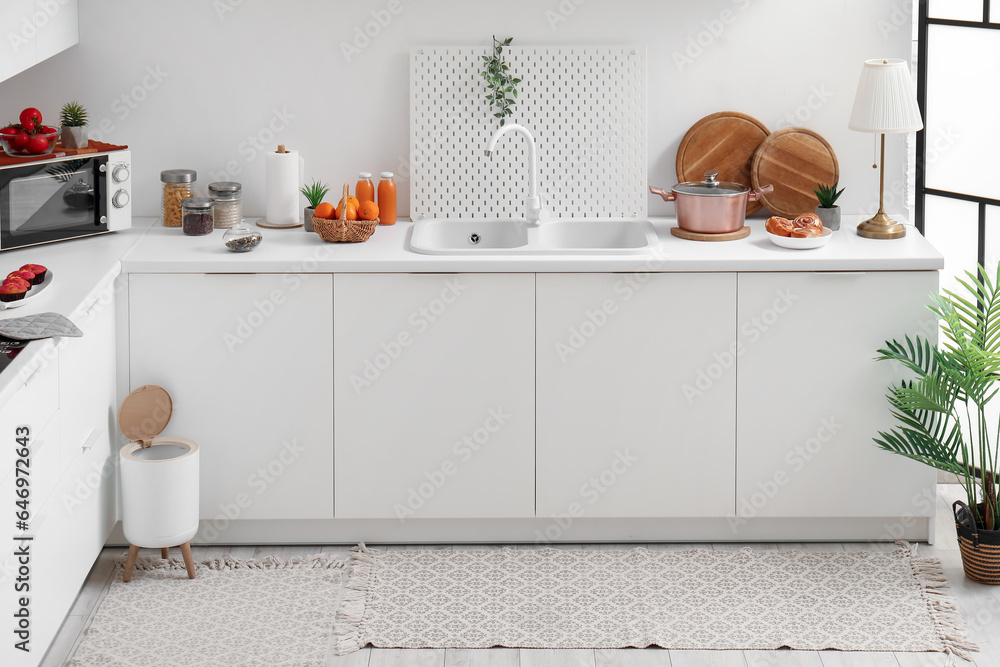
{"x":585,"y":106}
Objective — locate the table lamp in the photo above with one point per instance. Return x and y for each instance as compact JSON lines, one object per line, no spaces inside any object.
{"x":885,"y":102}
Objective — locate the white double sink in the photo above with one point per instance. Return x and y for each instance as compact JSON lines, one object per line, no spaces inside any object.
{"x":516,"y":237}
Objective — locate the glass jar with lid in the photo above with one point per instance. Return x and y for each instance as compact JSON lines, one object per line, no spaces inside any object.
{"x":196,"y":214}
{"x":241,"y":238}
{"x":228,"y":198}
{"x":178,"y":185}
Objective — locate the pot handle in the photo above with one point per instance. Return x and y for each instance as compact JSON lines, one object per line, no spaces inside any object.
{"x":762,"y":190}
{"x":667,"y":196}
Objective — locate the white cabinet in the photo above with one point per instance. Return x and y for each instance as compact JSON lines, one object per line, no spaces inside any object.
{"x":811,"y":396}
{"x":248,"y":362}
{"x":636,"y":391}
{"x":434,"y":395}
{"x":34,"y":30}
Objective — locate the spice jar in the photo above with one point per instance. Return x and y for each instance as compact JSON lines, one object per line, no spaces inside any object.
{"x":178,"y":185}
{"x":242,"y":238}
{"x":196,"y":213}
{"x":228,"y":206}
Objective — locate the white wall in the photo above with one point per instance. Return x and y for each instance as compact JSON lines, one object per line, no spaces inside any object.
{"x":190,"y":83}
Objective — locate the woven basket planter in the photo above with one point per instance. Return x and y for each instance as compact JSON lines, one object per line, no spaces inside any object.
{"x":344,"y":231}
{"x":980,"y":547}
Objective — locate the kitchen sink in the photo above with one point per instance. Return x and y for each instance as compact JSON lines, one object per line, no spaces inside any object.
{"x":516,"y":237}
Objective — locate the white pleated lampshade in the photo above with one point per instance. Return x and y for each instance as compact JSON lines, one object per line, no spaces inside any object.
{"x":885,"y":101}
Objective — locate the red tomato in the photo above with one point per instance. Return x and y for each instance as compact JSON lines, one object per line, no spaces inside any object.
{"x":38,"y":145}
{"x":31,"y":114}
{"x":9,"y":130}
{"x":20,"y":141}
{"x":28,"y":125}
{"x":47,"y":130}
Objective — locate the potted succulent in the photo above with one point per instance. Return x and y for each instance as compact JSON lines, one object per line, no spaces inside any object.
{"x":314,"y":193}
{"x":945,"y":419}
{"x":73,"y":118}
{"x":828,"y":211}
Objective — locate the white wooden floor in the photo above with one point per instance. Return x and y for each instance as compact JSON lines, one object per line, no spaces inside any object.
{"x":980,"y":606}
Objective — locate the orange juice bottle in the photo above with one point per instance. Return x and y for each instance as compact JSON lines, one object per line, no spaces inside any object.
{"x":365,"y":189}
{"x":386,"y":199}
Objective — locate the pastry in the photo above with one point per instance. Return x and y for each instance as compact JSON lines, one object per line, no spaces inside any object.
{"x":20,"y":282}
{"x":11,"y":292}
{"x":26,"y":275}
{"x":38,"y":270}
{"x":808,"y":221}
{"x":806,"y":232}
{"x":778,"y":226}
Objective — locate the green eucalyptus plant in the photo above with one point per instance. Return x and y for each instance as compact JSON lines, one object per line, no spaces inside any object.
{"x":943,"y":414}
{"x":501,"y":84}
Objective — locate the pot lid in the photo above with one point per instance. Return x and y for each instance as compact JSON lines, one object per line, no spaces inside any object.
{"x":711,"y":187}
{"x":145,"y":413}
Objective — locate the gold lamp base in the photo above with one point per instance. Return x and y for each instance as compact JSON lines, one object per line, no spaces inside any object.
{"x":881,"y":227}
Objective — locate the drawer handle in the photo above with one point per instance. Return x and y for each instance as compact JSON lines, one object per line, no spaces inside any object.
{"x":839,"y":273}
{"x":31,"y":376}
{"x":91,"y":439}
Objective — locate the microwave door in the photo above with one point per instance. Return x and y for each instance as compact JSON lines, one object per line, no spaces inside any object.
{"x":57,"y":200}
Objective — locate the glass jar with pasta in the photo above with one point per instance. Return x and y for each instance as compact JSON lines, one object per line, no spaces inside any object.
{"x":178,"y":185}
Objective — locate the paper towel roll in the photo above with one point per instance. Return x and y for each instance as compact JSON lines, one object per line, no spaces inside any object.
{"x":283,"y":175}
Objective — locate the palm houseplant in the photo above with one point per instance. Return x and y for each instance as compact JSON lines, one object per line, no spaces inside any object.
{"x":945,"y":418}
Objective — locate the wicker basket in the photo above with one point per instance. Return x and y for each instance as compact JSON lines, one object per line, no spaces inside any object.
{"x":980,"y":548}
{"x":344,"y":231}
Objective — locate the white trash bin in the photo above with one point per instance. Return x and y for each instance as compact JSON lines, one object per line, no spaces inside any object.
{"x":159,"y":477}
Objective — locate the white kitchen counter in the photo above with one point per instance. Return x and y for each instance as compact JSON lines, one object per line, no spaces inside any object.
{"x":81,"y":270}
{"x":167,"y":250}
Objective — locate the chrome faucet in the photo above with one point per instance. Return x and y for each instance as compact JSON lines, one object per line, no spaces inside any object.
{"x":533,"y":209}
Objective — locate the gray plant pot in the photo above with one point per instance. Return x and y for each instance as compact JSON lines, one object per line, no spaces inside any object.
{"x":307,"y":217}
{"x":74,"y":137}
{"x":829,"y":216}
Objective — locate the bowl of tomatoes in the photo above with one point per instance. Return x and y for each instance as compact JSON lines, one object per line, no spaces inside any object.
{"x":30,"y":136}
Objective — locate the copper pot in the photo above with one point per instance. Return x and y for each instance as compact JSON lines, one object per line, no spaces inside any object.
{"x":711,"y":206}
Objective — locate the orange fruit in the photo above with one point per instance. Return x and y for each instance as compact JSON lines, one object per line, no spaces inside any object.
{"x":325,"y":210}
{"x":352,"y":211}
{"x":368,"y":210}
{"x":350,"y":198}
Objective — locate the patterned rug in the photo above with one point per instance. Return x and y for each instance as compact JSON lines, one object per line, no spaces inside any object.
{"x":572,"y":598}
{"x":268,"y":612}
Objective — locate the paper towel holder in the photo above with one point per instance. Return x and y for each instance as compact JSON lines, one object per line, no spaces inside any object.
{"x":144,"y":414}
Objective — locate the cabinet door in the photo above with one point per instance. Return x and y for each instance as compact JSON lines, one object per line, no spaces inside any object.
{"x":435,"y":395}
{"x":19,"y":47}
{"x":60,"y":26}
{"x":636,"y":394}
{"x":811,"y":395}
{"x":248,"y":362}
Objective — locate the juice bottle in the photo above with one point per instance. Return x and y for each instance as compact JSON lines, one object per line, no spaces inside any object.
{"x":365,"y":189}
{"x":386,"y":199}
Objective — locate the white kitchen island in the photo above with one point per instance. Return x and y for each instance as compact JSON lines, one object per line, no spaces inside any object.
{"x":705,"y":391}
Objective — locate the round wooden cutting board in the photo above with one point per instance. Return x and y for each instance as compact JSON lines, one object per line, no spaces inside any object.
{"x":794,"y":160}
{"x":725,"y":141}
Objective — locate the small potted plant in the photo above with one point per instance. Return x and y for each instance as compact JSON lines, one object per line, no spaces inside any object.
{"x":314,"y":193}
{"x":73,"y":118}
{"x":828,"y":211}
{"x":944,"y":416}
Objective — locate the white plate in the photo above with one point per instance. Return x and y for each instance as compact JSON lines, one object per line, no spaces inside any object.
{"x":801,"y":244}
{"x":32,"y":293}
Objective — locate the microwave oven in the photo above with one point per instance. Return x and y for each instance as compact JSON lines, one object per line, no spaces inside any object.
{"x":64,"y":198}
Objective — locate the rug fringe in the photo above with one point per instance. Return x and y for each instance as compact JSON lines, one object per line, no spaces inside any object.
{"x":227,"y":562}
{"x":354,"y":609}
{"x":929,"y":574}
